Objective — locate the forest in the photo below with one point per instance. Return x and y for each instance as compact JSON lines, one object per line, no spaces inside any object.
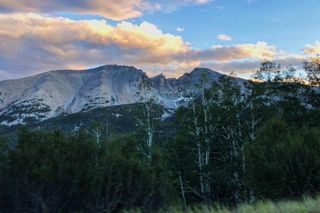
{"x":234,"y":143}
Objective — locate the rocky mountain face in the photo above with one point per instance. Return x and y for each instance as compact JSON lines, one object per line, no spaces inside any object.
{"x":51,"y":94}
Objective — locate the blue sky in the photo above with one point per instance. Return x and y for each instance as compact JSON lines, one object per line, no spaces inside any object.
{"x":158,"y":36}
{"x":289,"y":24}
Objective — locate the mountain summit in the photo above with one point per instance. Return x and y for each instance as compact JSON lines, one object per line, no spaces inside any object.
{"x":50,"y":94}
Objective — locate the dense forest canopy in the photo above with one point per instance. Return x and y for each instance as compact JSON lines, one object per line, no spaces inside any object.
{"x":234,"y":143}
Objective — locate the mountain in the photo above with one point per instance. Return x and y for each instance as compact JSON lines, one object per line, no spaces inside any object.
{"x":48,"y":95}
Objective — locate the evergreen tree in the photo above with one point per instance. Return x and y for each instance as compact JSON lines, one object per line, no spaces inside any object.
{"x":280,"y":164}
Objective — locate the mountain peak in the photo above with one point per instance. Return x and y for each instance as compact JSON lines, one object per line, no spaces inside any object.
{"x":158,"y":77}
{"x":47,"y":95}
{"x":110,"y":67}
{"x":196,"y":74}
{"x":200,"y":70}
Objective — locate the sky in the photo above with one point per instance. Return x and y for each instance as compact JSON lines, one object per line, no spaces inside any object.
{"x":158,"y":36}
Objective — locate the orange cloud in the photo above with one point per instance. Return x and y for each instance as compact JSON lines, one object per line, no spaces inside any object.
{"x":249,"y":66}
{"x":112,"y":9}
{"x":259,"y":50}
{"x":312,"y":48}
{"x":42,"y":43}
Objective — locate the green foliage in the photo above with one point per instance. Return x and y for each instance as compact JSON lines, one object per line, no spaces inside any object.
{"x":52,"y":172}
{"x":312,"y":68}
{"x":251,"y":156}
{"x":234,"y":143}
{"x":304,"y":205}
{"x":284,"y":162}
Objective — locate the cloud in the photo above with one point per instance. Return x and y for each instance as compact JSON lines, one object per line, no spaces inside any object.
{"x":39,"y":43}
{"x":201,"y":1}
{"x":112,"y":9}
{"x":240,"y":67}
{"x":312,"y":48}
{"x":251,"y":65}
{"x":42,"y":42}
{"x":224,"y":37}
{"x":259,"y":50}
{"x":180,"y":29}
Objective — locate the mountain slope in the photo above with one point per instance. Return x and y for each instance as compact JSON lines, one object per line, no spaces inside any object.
{"x":50,"y":94}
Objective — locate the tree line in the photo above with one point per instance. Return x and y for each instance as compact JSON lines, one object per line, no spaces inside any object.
{"x":235,"y":142}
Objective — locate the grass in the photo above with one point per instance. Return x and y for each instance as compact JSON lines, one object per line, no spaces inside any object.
{"x":307,"y":205}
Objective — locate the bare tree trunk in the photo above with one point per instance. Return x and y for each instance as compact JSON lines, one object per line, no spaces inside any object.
{"x":197,"y":135}
{"x":236,"y":176}
{"x":252,"y":136}
{"x":97,"y":134}
{"x":253,"y":123}
{"x":149,"y":129}
{"x":150,"y":138}
{"x":207,"y":190}
{"x":183,"y":193}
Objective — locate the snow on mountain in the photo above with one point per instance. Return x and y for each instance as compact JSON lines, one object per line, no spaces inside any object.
{"x":107,"y":86}
{"x":50,"y":94}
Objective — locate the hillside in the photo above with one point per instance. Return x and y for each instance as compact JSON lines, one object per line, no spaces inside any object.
{"x":51,"y":94}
